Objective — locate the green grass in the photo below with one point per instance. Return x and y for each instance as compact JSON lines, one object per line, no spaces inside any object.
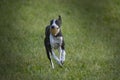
{"x":91,"y":30}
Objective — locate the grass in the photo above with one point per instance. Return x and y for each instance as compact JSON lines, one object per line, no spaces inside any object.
{"x":91,"y":32}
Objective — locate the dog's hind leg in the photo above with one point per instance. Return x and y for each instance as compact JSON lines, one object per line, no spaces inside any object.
{"x":49,"y":57}
{"x":47,"y":47}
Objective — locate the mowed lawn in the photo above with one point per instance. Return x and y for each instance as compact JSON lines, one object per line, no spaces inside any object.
{"x":91,"y":30}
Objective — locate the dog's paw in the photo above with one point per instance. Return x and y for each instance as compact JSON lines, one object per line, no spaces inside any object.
{"x":62,"y":62}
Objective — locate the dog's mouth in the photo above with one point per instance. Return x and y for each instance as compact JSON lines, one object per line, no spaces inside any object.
{"x":54,"y":31}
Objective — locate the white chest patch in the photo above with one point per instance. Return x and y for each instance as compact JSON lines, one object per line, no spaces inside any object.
{"x":55,"y":41}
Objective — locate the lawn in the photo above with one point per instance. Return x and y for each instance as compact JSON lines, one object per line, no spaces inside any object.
{"x":91,"y":30}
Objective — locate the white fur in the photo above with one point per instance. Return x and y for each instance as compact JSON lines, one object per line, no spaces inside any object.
{"x":56,"y":42}
{"x":52,"y":64}
{"x":54,"y":24}
{"x":63,"y":56}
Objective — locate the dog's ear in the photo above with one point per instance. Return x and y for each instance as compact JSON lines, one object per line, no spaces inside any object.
{"x":51,"y":22}
{"x":60,"y":19}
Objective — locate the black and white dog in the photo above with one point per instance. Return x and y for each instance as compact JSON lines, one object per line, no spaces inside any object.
{"x":54,"y":40}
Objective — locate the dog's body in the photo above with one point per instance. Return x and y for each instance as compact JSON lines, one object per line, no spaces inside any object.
{"x":54,"y":40}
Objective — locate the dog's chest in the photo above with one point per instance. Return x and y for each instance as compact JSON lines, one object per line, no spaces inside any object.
{"x":55,"y":41}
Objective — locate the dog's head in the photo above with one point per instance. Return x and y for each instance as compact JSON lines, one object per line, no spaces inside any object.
{"x":55,"y":25}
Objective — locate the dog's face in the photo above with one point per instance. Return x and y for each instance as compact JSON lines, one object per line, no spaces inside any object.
{"x":55,"y":25}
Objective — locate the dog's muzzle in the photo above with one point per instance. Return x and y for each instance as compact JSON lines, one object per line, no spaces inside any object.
{"x":54,"y":30}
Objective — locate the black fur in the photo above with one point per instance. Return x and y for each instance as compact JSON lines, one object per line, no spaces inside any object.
{"x":47,"y":38}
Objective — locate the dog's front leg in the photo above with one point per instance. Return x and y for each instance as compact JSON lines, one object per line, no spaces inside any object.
{"x":55,"y":57}
{"x":60,"y":52}
{"x":62,"y":55}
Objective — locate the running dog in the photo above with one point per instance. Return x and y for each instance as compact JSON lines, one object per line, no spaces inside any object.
{"x":54,"y":40}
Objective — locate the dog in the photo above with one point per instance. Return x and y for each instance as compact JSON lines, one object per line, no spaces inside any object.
{"x":54,"y":40}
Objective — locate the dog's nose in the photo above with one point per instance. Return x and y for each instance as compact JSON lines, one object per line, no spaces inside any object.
{"x":52,"y":27}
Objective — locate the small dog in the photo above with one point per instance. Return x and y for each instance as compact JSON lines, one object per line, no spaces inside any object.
{"x":54,"y":40}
